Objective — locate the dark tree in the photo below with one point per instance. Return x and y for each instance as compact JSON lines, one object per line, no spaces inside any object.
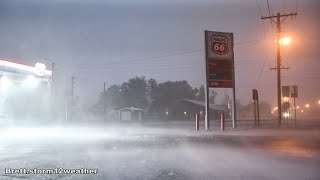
{"x":165,"y":96}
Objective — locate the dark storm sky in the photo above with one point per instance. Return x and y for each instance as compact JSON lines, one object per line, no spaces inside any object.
{"x":111,"y":41}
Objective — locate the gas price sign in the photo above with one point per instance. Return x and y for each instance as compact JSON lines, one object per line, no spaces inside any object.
{"x":220,"y":59}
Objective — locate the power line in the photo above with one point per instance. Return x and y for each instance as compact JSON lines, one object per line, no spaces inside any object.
{"x":269,"y":13}
{"x":261,"y":71}
{"x":257,"y":3}
{"x":169,"y":55}
{"x":284,"y":5}
{"x":303,"y":77}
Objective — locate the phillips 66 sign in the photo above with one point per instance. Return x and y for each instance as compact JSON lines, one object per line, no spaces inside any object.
{"x":219,"y":59}
{"x":219,"y":44}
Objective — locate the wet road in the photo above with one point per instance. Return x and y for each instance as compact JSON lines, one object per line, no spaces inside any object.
{"x":137,"y":152}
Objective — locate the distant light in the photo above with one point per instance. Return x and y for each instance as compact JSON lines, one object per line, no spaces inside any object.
{"x":30,"y":82}
{"x":285,"y":99}
{"x":167,"y":113}
{"x":286,"y":114}
{"x":319,"y":102}
{"x":302,"y":111}
{"x":272,"y":112}
{"x":298,"y":107}
{"x":40,"y":69}
{"x":276,"y":108}
{"x":285,"y":41}
{"x":307,"y":105}
{"x":185,"y":113}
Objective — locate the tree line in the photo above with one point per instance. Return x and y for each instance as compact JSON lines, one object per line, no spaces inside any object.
{"x":155,"y":98}
{"x":158,"y":98}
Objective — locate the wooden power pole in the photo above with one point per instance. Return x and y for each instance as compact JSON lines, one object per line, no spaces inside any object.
{"x":280,"y":18}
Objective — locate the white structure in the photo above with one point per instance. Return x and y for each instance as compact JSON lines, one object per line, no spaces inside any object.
{"x":128,"y":114}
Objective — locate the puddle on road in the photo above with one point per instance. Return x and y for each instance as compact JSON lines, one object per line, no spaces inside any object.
{"x":291,"y":146}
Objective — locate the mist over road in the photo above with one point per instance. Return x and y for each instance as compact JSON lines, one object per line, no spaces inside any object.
{"x":156,"y":152}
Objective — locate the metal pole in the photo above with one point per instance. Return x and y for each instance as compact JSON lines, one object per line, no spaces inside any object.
{"x":197,"y":121}
{"x":234,"y":110}
{"x":52,"y":73}
{"x":255,"y":112}
{"x":295,"y":112}
{"x":72,"y":96}
{"x":222,"y":121}
{"x":279,"y":69}
{"x":66,"y":109}
{"x":207,"y":116}
{"x":104,"y":97}
{"x":72,"y":86}
{"x":258,"y":109}
{"x":53,"y":109}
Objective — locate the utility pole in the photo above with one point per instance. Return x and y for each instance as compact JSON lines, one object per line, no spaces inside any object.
{"x":104,"y":97}
{"x":52,"y":75}
{"x":278,"y":22}
{"x":71,"y":98}
{"x":52,"y":93}
{"x":72,"y":86}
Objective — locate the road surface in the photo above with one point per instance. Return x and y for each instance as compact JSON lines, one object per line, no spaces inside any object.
{"x":150,"y":152}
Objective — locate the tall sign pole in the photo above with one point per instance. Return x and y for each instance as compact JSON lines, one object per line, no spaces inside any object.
{"x":207,"y":111}
{"x":220,"y":71}
{"x":234,"y":107}
{"x":278,"y":23}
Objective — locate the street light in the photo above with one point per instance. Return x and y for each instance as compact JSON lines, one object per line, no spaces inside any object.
{"x":285,"y":40}
{"x":319,"y":102}
{"x":307,"y":105}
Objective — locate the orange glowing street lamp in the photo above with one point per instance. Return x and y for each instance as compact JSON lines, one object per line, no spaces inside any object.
{"x":285,"y":40}
{"x":307,"y":105}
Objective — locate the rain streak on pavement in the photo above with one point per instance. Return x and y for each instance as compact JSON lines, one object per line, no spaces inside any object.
{"x":150,"y":152}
